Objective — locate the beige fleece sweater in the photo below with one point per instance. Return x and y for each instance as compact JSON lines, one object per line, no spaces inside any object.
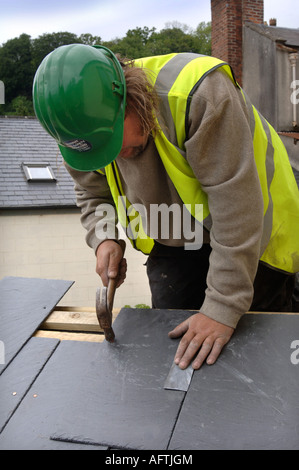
{"x":219,"y":150}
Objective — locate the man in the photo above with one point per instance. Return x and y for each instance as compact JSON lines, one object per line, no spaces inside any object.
{"x":177,"y":130}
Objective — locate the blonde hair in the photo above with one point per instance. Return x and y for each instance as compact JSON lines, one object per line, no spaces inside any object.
{"x":141,"y":96}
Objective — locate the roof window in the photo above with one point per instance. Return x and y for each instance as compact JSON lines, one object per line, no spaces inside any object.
{"x":38,"y":172}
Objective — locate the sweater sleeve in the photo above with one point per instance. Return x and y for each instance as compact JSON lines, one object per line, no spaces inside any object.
{"x":98,"y":213}
{"x":220,"y":151}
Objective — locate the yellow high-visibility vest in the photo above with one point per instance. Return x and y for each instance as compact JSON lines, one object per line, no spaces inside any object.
{"x":176,"y":77}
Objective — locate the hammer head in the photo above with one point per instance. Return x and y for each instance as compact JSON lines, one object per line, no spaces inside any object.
{"x":104,"y":313}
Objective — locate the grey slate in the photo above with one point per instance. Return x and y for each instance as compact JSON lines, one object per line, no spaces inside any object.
{"x":250,"y":398}
{"x":17,"y":379}
{"x":90,"y":396}
{"x":120,"y":400}
{"x":30,"y":426}
{"x":24,"y":304}
{"x":23,"y":139}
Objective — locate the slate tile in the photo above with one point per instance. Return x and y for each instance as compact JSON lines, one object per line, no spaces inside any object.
{"x":120,"y":400}
{"x":24,"y":304}
{"x":249,"y":398}
{"x":30,"y":426}
{"x":16,"y":380}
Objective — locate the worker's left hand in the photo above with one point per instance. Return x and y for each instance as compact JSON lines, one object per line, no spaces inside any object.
{"x":202,"y":335}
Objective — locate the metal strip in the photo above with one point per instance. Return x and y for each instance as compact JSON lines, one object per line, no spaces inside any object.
{"x":179,"y":379}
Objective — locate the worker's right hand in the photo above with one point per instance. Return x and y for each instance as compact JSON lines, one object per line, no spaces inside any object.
{"x":110,"y":262}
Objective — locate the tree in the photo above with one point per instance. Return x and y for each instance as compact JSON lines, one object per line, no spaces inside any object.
{"x":175,"y":37}
{"x":203,"y":35}
{"x":16,"y":70}
{"x":170,"y":40}
{"x":22,"y":106}
{"x":134,"y":44}
{"x":90,"y":40}
{"x":176,"y":24}
{"x":20,"y":57}
{"x":178,"y":37}
{"x":46,"y":43}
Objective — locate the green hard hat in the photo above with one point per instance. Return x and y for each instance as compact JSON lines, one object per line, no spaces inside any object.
{"x":79,"y":97}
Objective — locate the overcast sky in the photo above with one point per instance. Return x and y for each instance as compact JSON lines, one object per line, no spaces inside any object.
{"x":113,"y":18}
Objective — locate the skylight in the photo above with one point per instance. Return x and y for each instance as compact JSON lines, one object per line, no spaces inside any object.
{"x":38,"y":172}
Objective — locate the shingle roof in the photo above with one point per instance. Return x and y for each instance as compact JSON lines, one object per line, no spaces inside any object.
{"x":24,"y":140}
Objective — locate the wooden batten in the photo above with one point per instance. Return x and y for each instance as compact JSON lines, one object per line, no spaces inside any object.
{"x":74,"y":324}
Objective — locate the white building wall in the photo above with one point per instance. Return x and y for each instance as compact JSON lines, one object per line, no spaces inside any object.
{"x":51,"y":245}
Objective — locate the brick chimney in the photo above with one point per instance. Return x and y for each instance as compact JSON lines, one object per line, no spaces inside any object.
{"x":228,"y":18}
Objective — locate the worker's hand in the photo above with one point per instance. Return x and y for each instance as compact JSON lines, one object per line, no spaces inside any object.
{"x":202,"y":336}
{"x":110,"y":262}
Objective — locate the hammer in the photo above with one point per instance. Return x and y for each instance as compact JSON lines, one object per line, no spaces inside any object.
{"x":104,"y":304}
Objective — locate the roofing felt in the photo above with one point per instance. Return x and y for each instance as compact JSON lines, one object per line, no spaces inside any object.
{"x":289,"y":37}
{"x":23,"y":139}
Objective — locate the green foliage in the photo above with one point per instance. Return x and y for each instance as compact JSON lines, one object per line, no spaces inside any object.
{"x":46,"y":43}
{"x":137,"y":306}
{"x":175,"y":37}
{"x":21,"y":106}
{"x":133,"y":45}
{"x":16,"y":70}
{"x":89,"y":39}
{"x":20,"y":57}
{"x":203,"y":36}
{"x":172,"y":39}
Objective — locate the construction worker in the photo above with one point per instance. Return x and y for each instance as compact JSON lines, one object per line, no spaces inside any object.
{"x":177,"y":131}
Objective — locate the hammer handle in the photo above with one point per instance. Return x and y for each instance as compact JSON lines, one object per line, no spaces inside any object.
{"x":110,"y":293}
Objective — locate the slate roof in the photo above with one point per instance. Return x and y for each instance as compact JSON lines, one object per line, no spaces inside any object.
{"x":24,"y":140}
{"x":287,"y":36}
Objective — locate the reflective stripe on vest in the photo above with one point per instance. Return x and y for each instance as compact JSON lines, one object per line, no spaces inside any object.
{"x":129,"y":218}
{"x":176,"y":78}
